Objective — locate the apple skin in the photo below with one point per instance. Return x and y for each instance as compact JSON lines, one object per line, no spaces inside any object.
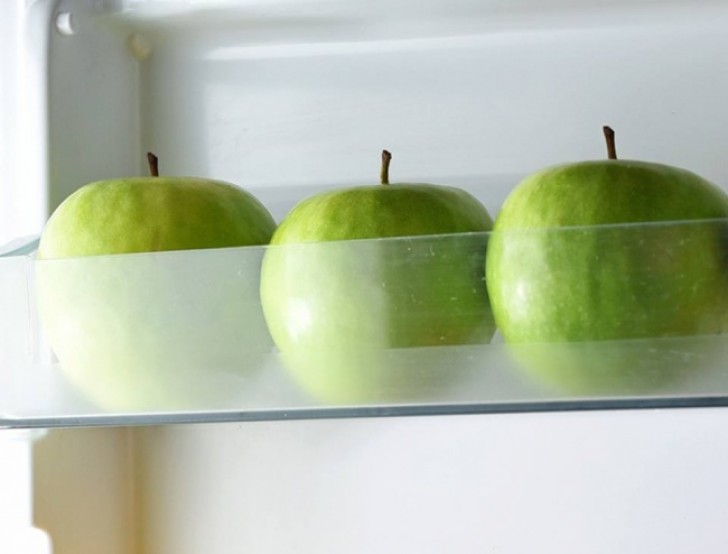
{"x":175,"y":321}
{"x":345,"y":312}
{"x":152,"y":214}
{"x":588,"y":299}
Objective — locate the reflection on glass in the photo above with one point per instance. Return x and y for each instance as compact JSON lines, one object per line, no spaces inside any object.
{"x":344,"y":313}
{"x":369,"y":327}
{"x":150,"y":331}
{"x":592,"y":308}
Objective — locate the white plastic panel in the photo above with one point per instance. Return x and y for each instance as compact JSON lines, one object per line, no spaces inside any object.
{"x":628,"y":482}
{"x":460,"y":105}
{"x":17,"y":534}
{"x":287,"y":21}
{"x":450,"y":109}
{"x":84,"y":490}
{"x":93,"y":111}
{"x":24,"y":36}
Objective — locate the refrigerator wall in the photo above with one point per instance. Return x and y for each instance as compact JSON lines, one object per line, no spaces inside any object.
{"x":632,"y":482}
{"x":305,"y":94}
{"x":23,"y":158}
{"x":289,"y":97}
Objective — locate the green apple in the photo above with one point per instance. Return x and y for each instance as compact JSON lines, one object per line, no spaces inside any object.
{"x":153,"y":214}
{"x":595,"y":268}
{"x":174,"y":320}
{"x":348,"y":314}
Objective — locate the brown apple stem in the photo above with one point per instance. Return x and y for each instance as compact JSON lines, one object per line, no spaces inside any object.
{"x":386,"y":159}
{"x":611,"y":143}
{"x":153,"y":162}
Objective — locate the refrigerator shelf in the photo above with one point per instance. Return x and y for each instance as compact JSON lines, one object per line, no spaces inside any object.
{"x":173,"y":337}
{"x":285,"y":98}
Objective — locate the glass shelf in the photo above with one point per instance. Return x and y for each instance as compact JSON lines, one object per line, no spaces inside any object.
{"x":368,"y":328}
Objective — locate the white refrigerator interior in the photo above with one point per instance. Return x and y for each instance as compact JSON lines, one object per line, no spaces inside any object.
{"x":286,"y":97}
{"x":630,"y":482}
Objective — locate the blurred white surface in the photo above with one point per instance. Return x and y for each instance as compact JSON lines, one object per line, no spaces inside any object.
{"x":627,"y":482}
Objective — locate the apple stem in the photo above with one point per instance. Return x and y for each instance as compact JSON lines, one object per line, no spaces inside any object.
{"x":611,"y":143}
{"x":384,"y":174}
{"x":153,"y":162}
